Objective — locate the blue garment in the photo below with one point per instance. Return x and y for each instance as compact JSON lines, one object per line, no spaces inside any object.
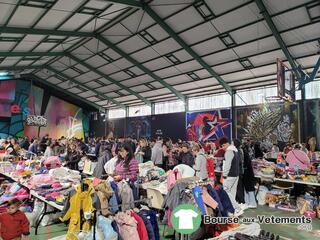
{"x":213,"y":193}
{"x":225,"y":200}
{"x":113,"y":203}
{"x":116,"y":229}
{"x":114,"y":187}
{"x":134,"y":190}
{"x":197,"y":194}
{"x":149,"y":227}
{"x":97,"y":149}
{"x":152,"y":216}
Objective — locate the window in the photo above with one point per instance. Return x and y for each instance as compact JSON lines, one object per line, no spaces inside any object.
{"x":255,"y":96}
{"x":169,"y":107}
{"x":148,"y":37}
{"x":227,"y":40}
{"x":313,"y":89}
{"x":172,"y":58}
{"x":246,"y":63}
{"x":210,"y":102}
{"x":117,"y":113}
{"x":204,"y":10}
{"x":139,"y":111}
{"x":193,"y":76}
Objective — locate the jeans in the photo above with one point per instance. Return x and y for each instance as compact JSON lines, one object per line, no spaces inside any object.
{"x":230,"y":185}
{"x":250,"y":198}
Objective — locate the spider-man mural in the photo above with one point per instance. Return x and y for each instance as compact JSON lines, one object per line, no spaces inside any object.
{"x":211,"y":125}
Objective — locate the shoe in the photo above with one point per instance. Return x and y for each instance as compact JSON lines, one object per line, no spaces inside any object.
{"x":252,"y":206}
{"x":243,"y":206}
{"x":238,"y":213}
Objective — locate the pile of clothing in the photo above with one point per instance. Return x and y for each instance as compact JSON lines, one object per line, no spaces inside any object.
{"x":309,"y":205}
{"x":10,"y":191}
{"x":263,"y":168}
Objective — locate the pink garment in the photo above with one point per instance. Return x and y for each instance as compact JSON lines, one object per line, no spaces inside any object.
{"x":127,"y":226}
{"x":41,"y":179}
{"x":56,"y":185}
{"x":207,"y":199}
{"x":52,"y":162}
{"x":173,"y":176}
{"x":298,"y":157}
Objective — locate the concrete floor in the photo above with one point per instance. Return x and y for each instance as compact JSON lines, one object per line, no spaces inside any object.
{"x":288,"y":231}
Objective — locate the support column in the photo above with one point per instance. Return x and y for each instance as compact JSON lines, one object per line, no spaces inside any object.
{"x":153,"y":109}
{"x":233,"y":114}
{"x":302,"y":116}
{"x":186,"y":105}
{"x":106,"y":117}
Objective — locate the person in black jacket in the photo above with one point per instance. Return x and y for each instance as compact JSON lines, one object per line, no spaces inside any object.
{"x":72,"y":158}
{"x":144,"y":150}
{"x":248,"y":177}
{"x":185,"y":156}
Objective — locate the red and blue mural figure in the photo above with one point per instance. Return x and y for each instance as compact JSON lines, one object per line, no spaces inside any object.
{"x":210,"y":125}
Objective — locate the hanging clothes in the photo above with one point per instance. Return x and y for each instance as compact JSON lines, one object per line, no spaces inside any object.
{"x":197,"y":194}
{"x":126,"y":195}
{"x":148,"y":225}
{"x":127,"y":226}
{"x":152,"y":216}
{"x":142,"y":230}
{"x":213,"y":193}
{"x":225,"y":200}
{"x":79,"y":201}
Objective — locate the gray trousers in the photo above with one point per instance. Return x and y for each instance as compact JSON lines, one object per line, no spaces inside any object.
{"x":230,"y":185}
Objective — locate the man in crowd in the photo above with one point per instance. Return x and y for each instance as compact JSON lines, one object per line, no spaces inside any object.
{"x":185,"y":156}
{"x":231,"y":173}
{"x":157,"y":153}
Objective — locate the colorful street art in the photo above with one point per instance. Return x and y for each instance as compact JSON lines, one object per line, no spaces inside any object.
{"x":64,"y":119}
{"x":12,"y":124}
{"x":210,"y":125}
{"x":19,"y":99}
{"x":285,"y":130}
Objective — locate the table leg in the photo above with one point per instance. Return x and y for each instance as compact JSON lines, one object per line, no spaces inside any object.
{"x":43,"y":213}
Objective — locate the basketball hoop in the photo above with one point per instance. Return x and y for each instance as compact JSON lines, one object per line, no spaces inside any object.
{"x":273,"y":99}
{"x":277,"y":99}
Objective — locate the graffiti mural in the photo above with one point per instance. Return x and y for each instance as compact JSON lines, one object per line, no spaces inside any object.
{"x":269,"y":123}
{"x":312,"y":120}
{"x":210,"y":125}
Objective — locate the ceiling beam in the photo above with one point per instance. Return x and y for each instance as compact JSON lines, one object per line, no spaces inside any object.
{"x":19,"y":30}
{"x":56,"y":72}
{"x":186,"y":47}
{"x":110,"y":79}
{"x":276,"y":34}
{"x":31,"y":54}
{"x":53,"y":86}
{"x":21,"y":68}
{"x":141,"y":67}
{"x":131,"y":3}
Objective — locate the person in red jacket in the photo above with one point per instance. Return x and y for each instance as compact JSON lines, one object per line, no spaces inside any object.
{"x":14,"y":224}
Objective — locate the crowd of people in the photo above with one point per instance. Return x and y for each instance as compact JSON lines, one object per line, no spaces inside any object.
{"x":126,"y":153}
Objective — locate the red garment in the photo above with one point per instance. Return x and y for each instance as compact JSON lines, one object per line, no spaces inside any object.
{"x":220,"y":153}
{"x":13,"y":226}
{"x":206,"y":148}
{"x":142,"y":230}
{"x":210,"y":168}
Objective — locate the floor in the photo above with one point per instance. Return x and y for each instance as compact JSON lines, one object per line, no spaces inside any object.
{"x":288,"y":231}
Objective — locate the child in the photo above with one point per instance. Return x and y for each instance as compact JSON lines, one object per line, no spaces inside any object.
{"x":14,"y":223}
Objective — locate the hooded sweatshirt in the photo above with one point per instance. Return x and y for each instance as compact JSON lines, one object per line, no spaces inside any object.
{"x":156,"y":154}
{"x":231,"y":162}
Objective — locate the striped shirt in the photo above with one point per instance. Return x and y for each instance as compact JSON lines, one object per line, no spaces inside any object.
{"x":131,"y":172}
